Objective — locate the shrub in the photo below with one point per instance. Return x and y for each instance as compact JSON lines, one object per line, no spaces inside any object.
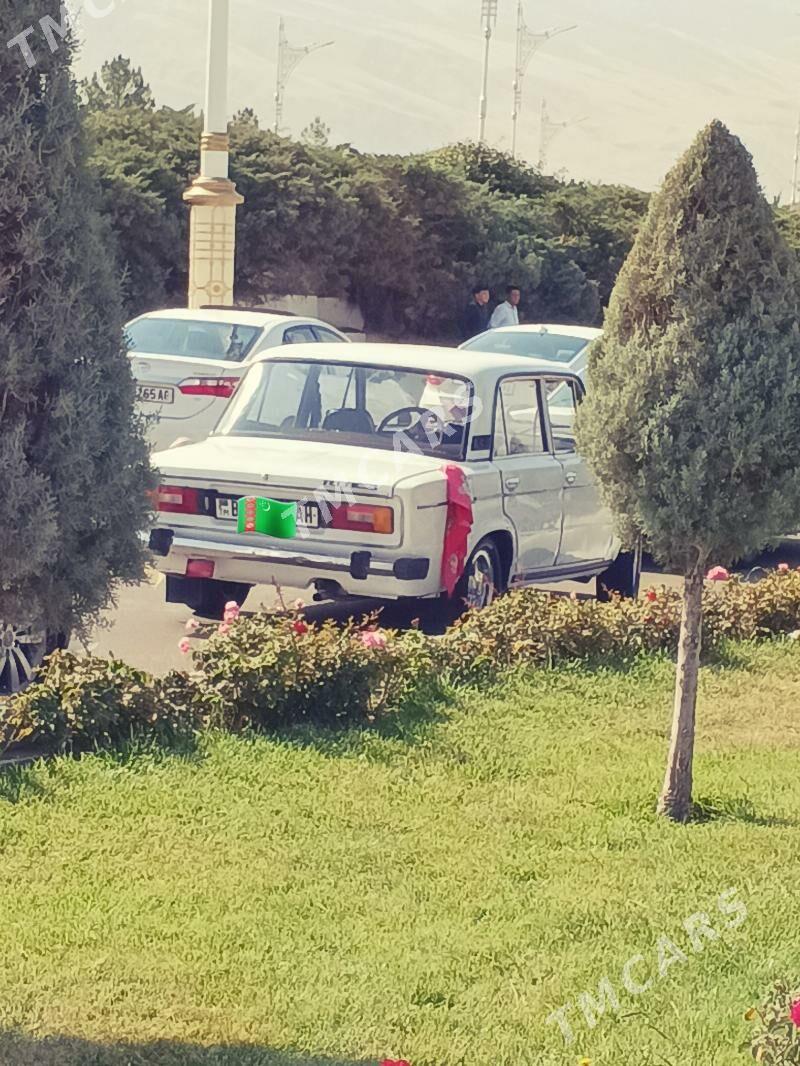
{"x":84,"y":703}
{"x":273,"y":670}
{"x":744,"y":611}
{"x":776,"y":1038}
{"x":537,"y":628}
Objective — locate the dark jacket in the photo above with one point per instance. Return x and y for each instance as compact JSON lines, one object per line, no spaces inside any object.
{"x":475,"y":320}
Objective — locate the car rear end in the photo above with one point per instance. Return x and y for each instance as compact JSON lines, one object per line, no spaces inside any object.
{"x":375,"y":537}
{"x":186,"y":367}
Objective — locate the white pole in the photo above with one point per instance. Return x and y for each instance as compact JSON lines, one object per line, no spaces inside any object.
{"x":489,"y":17}
{"x":213,"y":162}
{"x":485,"y":88}
{"x":212,"y":196}
{"x":517,"y":80}
{"x":282,"y":43}
{"x":288,"y":58}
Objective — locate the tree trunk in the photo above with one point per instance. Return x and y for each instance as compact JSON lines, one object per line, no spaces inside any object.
{"x":676,"y":797}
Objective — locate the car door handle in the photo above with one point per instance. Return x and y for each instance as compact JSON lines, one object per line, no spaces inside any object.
{"x":512,"y":483}
{"x":571,"y":477}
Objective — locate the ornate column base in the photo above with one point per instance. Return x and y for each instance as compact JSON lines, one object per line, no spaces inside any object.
{"x":212,"y":240}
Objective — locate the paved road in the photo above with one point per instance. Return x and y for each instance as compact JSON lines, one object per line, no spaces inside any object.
{"x":145,"y":631}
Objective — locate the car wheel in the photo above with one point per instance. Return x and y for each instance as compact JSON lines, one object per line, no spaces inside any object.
{"x":481,"y":581}
{"x":479,"y":586}
{"x":622,"y":577}
{"x":22,"y":651}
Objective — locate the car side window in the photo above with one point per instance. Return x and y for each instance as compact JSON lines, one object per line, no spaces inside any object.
{"x":299,"y":335}
{"x":562,"y":401}
{"x":518,"y":422}
{"x":327,"y":336}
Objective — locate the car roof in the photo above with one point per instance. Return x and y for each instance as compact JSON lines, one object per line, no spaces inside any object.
{"x":588,"y":332}
{"x":234,"y":317}
{"x":452,"y":361}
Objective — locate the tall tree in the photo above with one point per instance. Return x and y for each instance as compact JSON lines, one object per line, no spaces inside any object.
{"x":144,"y":160}
{"x":119,"y":84}
{"x":73,"y":461}
{"x":692,"y":420}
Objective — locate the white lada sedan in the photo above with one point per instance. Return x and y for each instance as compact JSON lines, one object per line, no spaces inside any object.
{"x":424,"y":473}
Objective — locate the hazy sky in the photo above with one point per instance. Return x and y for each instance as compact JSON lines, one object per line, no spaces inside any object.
{"x":404,"y":75}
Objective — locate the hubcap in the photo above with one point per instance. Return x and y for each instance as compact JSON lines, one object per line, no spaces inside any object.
{"x":481,"y":585}
{"x":21,"y":651}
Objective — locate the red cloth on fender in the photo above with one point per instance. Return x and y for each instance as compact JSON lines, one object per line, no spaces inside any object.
{"x":457,"y":527}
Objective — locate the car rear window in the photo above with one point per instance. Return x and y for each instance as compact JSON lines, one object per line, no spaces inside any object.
{"x":354,"y":404}
{"x":555,"y":347}
{"x":191,"y":339}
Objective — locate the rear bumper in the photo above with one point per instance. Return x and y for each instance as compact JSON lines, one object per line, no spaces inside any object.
{"x":359,"y":573}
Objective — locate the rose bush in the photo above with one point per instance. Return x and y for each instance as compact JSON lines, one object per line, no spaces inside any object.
{"x":83,"y":703}
{"x":537,"y":628}
{"x":776,"y":1036}
{"x":277,"y":669}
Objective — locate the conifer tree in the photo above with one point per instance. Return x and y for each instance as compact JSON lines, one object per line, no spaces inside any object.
{"x":74,"y":468}
{"x":692,"y":419}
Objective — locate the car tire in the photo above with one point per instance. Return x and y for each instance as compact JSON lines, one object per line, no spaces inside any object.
{"x":480,"y":584}
{"x":482,"y":580}
{"x":23,"y":649}
{"x":622,"y":577}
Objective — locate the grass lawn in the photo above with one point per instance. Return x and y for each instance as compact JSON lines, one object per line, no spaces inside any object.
{"x":432,"y":896}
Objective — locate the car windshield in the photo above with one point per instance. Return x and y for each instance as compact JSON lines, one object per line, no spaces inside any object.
{"x":555,"y":347}
{"x":191,"y":339}
{"x":341,"y":403}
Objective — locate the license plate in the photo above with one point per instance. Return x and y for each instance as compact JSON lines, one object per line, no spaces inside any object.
{"x":154,"y":394}
{"x":307,"y":513}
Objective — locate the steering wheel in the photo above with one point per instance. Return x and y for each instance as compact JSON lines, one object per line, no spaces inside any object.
{"x":416,"y":430}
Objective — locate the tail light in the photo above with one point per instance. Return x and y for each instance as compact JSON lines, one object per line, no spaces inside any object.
{"x":175,"y":499}
{"x":363,"y":518}
{"x":199,"y":568}
{"x":222,"y":388}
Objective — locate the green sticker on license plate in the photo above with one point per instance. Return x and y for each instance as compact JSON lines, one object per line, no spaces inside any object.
{"x":271,"y":518}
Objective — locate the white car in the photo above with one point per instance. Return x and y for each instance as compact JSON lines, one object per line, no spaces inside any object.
{"x":187,"y":363}
{"x":566,"y":346}
{"x":366,"y":441}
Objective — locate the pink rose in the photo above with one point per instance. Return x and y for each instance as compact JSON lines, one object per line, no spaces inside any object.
{"x":783,"y":568}
{"x":193,"y":626}
{"x":718,"y":573}
{"x":184,"y":647}
{"x":373,"y":638}
{"x":224,"y":629}
{"x":794,"y":1013}
{"x":231,"y":616}
{"x":233,"y":609}
{"x":299,"y":605}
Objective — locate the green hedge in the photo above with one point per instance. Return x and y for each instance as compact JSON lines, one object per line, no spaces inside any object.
{"x":274,"y":670}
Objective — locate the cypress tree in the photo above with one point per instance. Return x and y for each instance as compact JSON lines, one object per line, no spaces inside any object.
{"x":692,"y":420}
{"x":74,"y":468}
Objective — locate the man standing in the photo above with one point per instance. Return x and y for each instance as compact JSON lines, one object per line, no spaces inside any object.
{"x":476,"y":314}
{"x":507,"y":313}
